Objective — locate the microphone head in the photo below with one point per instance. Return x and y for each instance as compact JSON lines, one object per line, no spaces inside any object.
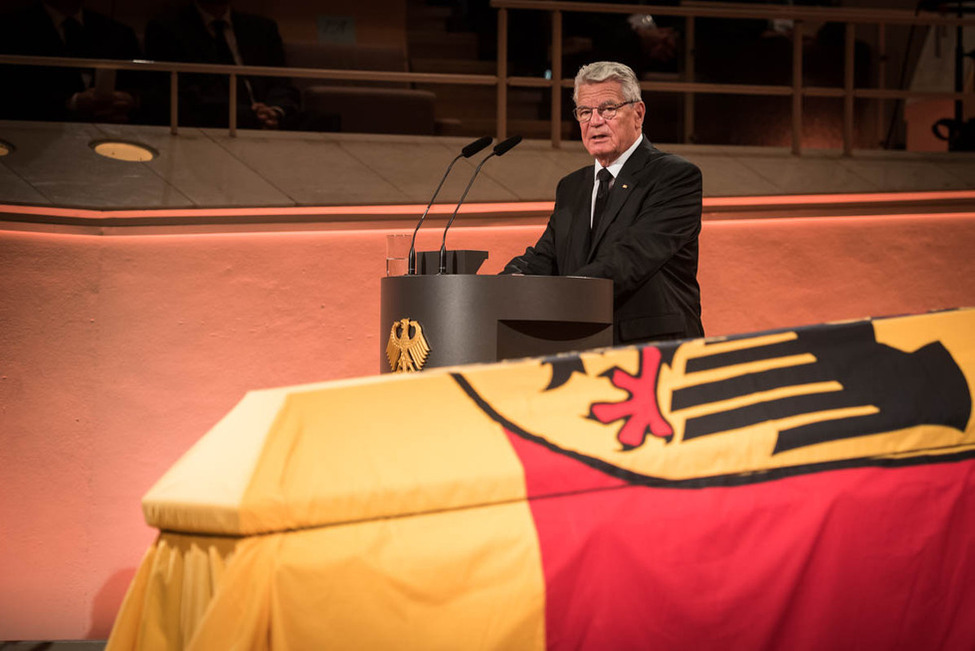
{"x":504,"y":146}
{"x":476,"y":146}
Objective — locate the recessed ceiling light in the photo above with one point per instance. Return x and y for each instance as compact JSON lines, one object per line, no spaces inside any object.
{"x":6,"y":148}
{"x":123,"y":150}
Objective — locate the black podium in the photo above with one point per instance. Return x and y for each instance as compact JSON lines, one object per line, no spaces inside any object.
{"x":467,"y":318}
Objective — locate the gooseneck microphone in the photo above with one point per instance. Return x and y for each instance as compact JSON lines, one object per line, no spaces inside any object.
{"x":500,"y":149}
{"x":466,"y":152}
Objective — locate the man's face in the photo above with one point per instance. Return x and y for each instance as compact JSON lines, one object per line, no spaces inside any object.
{"x":606,"y":139}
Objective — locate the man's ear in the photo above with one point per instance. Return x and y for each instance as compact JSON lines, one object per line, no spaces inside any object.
{"x":641,"y":112}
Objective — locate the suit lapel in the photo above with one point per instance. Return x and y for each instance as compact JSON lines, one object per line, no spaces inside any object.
{"x":52,"y":44}
{"x":243,"y":44}
{"x":197,"y":34}
{"x":578,"y":241}
{"x":623,"y":187}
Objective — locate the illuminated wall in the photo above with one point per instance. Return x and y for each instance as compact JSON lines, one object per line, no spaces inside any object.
{"x":121,"y":345}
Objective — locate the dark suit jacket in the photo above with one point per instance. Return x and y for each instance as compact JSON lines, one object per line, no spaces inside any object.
{"x":181,"y":35}
{"x":42,"y":93}
{"x":646,"y":243}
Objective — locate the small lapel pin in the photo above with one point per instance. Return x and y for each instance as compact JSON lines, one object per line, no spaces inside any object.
{"x":625,"y":186}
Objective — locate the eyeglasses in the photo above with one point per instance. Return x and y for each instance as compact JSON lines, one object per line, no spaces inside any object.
{"x":607,"y":112}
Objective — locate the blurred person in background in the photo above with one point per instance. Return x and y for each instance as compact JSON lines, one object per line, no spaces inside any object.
{"x":211,"y":31}
{"x":65,"y":28}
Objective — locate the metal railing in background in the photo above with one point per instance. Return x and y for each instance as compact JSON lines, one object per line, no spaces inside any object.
{"x":502,"y":81}
{"x":233,"y":71}
{"x":797,"y":91}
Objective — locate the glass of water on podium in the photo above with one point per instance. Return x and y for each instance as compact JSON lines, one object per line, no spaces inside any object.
{"x":397,"y":253}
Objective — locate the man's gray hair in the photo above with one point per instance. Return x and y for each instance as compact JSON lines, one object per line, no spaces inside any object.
{"x":608,"y":71}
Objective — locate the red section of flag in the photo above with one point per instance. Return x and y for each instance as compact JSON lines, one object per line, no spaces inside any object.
{"x":555,"y":473}
{"x":865,"y":558}
{"x":639,"y":412}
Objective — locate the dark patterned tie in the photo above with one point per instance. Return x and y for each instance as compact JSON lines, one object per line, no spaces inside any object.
{"x":224,"y":54}
{"x":602,"y":196}
{"x":74,"y":38}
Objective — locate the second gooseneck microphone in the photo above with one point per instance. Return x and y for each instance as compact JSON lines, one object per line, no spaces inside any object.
{"x":500,"y":149}
{"x":466,"y":152}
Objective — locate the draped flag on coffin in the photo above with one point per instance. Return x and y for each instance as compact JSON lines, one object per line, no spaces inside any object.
{"x":792,"y":489}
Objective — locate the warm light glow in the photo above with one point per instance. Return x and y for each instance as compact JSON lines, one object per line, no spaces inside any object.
{"x":850,"y":198}
{"x":859,"y":205}
{"x":6,"y":148}
{"x":120,"y":150}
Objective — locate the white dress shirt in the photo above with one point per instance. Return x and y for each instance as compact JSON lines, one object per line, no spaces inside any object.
{"x":614,"y":168}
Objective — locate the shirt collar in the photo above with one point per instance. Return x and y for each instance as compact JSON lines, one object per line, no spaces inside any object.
{"x":617,"y":165}
{"x":208,"y":18}
{"x":58,"y":17}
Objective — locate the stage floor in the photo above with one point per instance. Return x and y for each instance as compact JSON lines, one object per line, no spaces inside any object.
{"x":53,"y":165}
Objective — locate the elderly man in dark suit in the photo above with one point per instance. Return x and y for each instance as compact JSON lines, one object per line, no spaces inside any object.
{"x":634,"y":216}
{"x":210,"y":31}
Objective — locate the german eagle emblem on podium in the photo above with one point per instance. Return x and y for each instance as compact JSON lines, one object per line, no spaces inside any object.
{"x":406,"y":353}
